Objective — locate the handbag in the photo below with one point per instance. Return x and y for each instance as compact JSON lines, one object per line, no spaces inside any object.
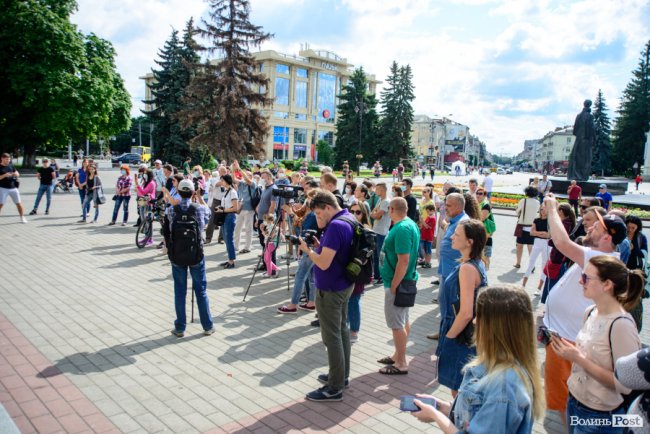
{"x":101,"y":199}
{"x":114,"y":197}
{"x":405,"y":293}
{"x":519,"y":229}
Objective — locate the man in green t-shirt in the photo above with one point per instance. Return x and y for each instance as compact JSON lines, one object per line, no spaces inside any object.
{"x":186,"y":166}
{"x":398,"y":261}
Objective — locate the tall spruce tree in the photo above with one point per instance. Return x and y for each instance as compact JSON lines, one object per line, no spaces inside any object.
{"x":356,"y":125}
{"x":634,"y":115}
{"x":396,"y":117}
{"x":171,"y":140}
{"x":602,"y":146}
{"x":223,"y":102}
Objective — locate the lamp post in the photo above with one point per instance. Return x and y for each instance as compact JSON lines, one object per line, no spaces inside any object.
{"x":359,"y":107}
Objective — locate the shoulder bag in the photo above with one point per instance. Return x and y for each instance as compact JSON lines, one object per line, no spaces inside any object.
{"x":405,"y":293}
{"x":519,"y":229}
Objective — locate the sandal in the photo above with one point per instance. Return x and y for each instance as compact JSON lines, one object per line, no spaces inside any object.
{"x":517,"y":266}
{"x":392,"y":370}
{"x":386,"y":361}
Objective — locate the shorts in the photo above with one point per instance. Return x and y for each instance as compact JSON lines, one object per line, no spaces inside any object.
{"x":9,"y":192}
{"x":487,"y":251}
{"x":556,"y":375}
{"x":396,"y":317}
{"x":426,"y":246}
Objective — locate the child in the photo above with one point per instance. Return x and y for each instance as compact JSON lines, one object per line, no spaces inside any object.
{"x":426,"y":234}
{"x":270,"y":233}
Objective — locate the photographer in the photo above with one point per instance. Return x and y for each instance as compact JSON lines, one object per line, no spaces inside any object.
{"x":267,"y":205}
{"x":304,"y":276}
{"x":246,"y":189}
{"x":217,"y":195}
{"x":186,"y":251}
{"x":229,"y":205}
{"x":330,"y":257}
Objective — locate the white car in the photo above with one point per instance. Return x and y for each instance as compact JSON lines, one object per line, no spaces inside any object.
{"x":501,"y":171}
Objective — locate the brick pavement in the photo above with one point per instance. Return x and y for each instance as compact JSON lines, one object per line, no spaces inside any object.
{"x":85,"y":319}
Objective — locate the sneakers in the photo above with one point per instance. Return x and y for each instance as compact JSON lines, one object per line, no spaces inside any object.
{"x":379,"y":282}
{"x":307,"y":307}
{"x":315,"y":323}
{"x":82,"y":221}
{"x":178,"y":333}
{"x":111,"y":224}
{"x":354,"y":338}
{"x":325,"y":394}
{"x":208,"y":332}
{"x":149,"y":242}
{"x":47,"y":212}
{"x":244,"y":251}
{"x":32,"y":212}
{"x":23,"y":220}
{"x":285,"y":309}
{"x":124,"y":224}
{"x":324,"y":379}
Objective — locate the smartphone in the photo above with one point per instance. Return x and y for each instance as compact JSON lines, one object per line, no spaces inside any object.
{"x":406,"y":403}
{"x":554,"y":333}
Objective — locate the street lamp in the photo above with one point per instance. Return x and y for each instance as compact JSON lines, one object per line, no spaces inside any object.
{"x":360,"y":107}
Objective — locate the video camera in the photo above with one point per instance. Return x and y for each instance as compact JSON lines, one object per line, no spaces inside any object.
{"x":309,"y":235}
{"x":287,"y":191}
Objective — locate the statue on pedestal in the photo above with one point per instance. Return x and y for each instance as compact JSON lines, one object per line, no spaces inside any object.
{"x":584,"y":130}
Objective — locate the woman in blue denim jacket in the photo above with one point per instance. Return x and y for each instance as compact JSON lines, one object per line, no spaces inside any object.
{"x":501,"y":391}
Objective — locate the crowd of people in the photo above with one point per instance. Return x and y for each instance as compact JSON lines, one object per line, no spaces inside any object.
{"x":593,"y":264}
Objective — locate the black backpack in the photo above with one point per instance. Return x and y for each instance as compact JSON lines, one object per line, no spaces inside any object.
{"x":256,"y":195}
{"x":185,"y":247}
{"x":359,"y":267}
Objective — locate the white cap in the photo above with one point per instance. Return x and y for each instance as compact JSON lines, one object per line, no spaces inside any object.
{"x":186,"y":185}
{"x":157,"y":162}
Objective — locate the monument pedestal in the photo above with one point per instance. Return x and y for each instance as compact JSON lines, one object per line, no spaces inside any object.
{"x":589,"y":188}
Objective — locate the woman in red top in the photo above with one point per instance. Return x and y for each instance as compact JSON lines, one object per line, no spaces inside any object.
{"x":426,"y":233}
{"x":575,"y":195}
{"x":637,"y":181}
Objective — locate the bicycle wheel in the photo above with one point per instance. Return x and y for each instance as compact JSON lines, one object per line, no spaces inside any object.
{"x":144,"y":233}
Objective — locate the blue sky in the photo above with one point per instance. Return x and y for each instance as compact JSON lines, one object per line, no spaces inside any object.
{"x":511,"y":70}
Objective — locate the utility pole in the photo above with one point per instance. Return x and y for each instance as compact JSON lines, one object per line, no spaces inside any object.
{"x":140,"y":131}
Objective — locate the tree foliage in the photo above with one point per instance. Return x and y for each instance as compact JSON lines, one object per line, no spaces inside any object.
{"x":634,"y":116}
{"x":58,"y":84}
{"x":223,"y":102}
{"x":396,"y":117}
{"x":325,"y":153}
{"x":356,"y":125}
{"x":602,"y":147}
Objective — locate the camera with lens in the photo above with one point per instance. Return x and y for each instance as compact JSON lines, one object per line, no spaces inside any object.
{"x":544,"y":335}
{"x":309,"y":235}
{"x":287,"y":191}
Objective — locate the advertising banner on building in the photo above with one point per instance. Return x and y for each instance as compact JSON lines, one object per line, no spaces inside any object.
{"x":456,"y":137}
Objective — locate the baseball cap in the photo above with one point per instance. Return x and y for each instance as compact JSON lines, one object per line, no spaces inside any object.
{"x":186,"y":185}
{"x":157,"y":162}
{"x":615,"y":227}
{"x":602,"y":186}
{"x":633,"y":371}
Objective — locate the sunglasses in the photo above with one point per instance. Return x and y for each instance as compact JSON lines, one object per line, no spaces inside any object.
{"x":583,"y":207}
{"x":478,"y":193}
{"x":601,"y":221}
{"x":357,"y":212}
{"x":586,"y":278}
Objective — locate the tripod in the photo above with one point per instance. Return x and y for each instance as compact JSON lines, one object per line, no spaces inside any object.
{"x":277,"y":223}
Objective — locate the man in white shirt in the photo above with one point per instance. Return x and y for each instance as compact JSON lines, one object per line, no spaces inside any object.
{"x":159,"y":177}
{"x":566,"y":303}
{"x":544,"y":187}
{"x":487,"y":185}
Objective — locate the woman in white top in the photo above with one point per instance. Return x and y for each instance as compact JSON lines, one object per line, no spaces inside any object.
{"x":608,"y":333}
{"x":229,"y":205}
{"x":527,"y":210}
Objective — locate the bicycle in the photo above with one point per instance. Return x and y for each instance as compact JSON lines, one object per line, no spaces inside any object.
{"x":155,"y":213}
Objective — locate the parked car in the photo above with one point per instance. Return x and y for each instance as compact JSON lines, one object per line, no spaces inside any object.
{"x":127,"y":158}
{"x":508,"y":171}
{"x":501,"y":171}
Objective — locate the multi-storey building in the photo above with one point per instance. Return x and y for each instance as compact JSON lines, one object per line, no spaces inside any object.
{"x":305,"y":91}
{"x":554,"y":149}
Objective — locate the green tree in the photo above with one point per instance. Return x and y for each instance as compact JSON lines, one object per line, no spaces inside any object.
{"x":396,"y":117}
{"x":57,"y":83}
{"x":223,"y":102}
{"x":602,"y":147}
{"x":325,"y":153}
{"x":356,"y":124}
{"x":633,"y":117}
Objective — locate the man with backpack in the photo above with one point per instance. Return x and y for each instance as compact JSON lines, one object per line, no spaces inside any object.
{"x":184,"y":241}
{"x":330,"y":256}
{"x":249,"y":197}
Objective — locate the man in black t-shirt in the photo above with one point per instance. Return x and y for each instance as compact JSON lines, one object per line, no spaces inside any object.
{"x":9,"y":185}
{"x":46,"y":175}
{"x":413,"y":212}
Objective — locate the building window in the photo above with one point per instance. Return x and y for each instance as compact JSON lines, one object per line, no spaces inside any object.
{"x":568,"y":140}
{"x":281,"y":115}
{"x":326,"y":96}
{"x":301,"y":73}
{"x":280,"y":143}
{"x":328,"y":136}
{"x":300,"y":135}
{"x":299,"y":151}
{"x":261,"y":67}
{"x":301,"y":117}
{"x":262,"y":89}
{"x":282,"y":91}
{"x":301,"y":94}
{"x":282,"y":69}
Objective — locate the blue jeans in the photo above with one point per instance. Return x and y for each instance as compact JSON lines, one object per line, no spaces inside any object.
{"x":199,"y":285}
{"x":379,"y":243}
{"x":121,"y":200}
{"x":47,"y":189}
{"x":86,"y":207}
{"x":228,"y":229}
{"x":82,"y":197}
{"x":304,"y":279}
{"x":579,"y":416}
{"x":354,"y":312}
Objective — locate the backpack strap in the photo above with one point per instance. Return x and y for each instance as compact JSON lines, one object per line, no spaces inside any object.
{"x":609,"y":334}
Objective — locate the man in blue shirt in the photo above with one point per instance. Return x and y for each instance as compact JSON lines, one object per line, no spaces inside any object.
{"x":330,"y":257}
{"x":179,"y":272}
{"x":455,"y":211}
{"x":605,"y":196}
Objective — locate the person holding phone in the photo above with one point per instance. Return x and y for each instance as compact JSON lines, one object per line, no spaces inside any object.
{"x":502,"y":389}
